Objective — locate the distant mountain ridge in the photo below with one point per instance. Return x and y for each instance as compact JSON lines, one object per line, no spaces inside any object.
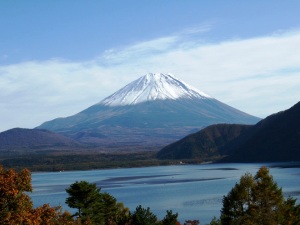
{"x":275,"y":138}
{"x":33,"y":138}
{"x":154,"y":110}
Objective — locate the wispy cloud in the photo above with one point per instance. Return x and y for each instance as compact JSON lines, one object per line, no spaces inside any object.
{"x":152,"y":48}
{"x":139,"y":50}
{"x":259,"y":75}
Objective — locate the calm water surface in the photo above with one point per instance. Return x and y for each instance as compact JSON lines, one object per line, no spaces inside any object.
{"x":194,"y":191}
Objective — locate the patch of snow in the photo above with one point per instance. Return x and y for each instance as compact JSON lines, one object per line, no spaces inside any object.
{"x":153,"y":86}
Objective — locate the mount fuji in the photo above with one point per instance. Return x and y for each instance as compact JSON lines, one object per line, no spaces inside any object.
{"x":153,"y":87}
{"x":152,"y":111}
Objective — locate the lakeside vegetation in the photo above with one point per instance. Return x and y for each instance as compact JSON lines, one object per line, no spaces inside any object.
{"x":254,"y":200}
{"x":63,"y":161}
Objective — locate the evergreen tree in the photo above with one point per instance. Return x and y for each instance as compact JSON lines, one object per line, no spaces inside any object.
{"x":290,"y":212}
{"x":267,"y":198}
{"x":123,"y":215}
{"x":113,"y":213}
{"x":237,"y":205}
{"x":86,"y":198}
{"x":170,"y":218}
{"x":142,"y":216}
{"x":215,"y":221}
{"x":109,"y":207}
{"x":258,"y":201}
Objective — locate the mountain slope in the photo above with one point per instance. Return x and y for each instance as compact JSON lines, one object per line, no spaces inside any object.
{"x":155,"y":110}
{"x":276,"y":138}
{"x":33,"y":138}
{"x":204,"y":144}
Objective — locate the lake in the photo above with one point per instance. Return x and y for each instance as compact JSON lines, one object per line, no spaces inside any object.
{"x":194,"y":191}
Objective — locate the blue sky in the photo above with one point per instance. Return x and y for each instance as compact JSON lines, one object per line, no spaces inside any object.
{"x":60,"y":57}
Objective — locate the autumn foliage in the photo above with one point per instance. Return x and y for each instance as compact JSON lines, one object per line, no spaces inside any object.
{"x":16,"y":207}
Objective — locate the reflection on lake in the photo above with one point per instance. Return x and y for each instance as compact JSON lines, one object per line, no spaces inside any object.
{"x":194,"y":191}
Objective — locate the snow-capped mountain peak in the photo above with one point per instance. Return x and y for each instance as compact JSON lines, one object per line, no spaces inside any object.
{"x":153,"y":86}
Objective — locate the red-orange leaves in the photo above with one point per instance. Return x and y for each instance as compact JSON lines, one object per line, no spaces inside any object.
{"x":16,"y":207}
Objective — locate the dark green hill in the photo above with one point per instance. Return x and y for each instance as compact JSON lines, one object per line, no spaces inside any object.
{"x":276,"y":138}
{"x":204,"y":144}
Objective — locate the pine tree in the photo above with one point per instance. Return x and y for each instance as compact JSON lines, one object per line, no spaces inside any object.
{"x":267,"y":198}
{"x":258,"y":201}
{"x":86,"y":198}
{"x":142,"y":216}
{"x":170,"y":218}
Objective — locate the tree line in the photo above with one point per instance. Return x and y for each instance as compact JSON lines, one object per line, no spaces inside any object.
{"x":254,"y":200}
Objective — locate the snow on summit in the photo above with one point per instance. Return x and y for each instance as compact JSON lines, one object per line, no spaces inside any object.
{"x":153,"y":86}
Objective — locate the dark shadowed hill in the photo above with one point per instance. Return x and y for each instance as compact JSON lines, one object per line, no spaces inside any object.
{"x":33,"y":138}
{"x":204,"y":144}
{"x":276,"y":138}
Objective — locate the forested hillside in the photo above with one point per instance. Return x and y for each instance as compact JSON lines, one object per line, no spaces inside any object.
{"x":205,"y":144}
{"x":273,"y":139}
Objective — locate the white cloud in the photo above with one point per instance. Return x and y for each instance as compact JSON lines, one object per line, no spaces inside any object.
{"x":153,"y":48}
{"x":259,"y":75}
{"x":251,"y":74}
